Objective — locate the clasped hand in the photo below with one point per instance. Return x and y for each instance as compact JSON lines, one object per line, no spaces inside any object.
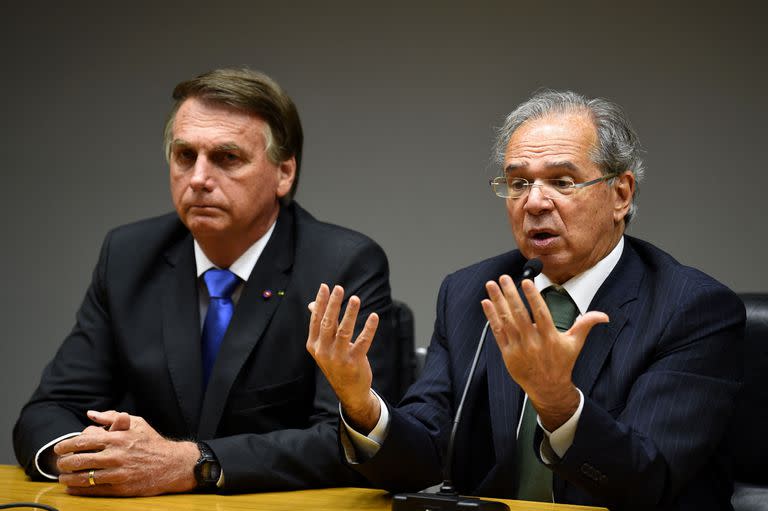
{"x":537,"y":356}
{"x":127,"y":457}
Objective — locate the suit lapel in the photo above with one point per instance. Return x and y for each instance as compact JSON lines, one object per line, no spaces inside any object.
{"x":181,"y":330}
{"x":252,"y":315}
{"x":620,"y":288}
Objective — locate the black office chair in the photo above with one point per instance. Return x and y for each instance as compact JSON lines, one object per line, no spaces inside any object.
{"x":402,"y":322}
{"x":750,"y":427}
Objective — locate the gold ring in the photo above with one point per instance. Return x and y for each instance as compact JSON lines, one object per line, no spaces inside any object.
{"x":91,"y":480}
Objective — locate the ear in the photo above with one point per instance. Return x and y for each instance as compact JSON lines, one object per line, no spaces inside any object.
{"x":286,"y":173}
{"x":624,"y":191}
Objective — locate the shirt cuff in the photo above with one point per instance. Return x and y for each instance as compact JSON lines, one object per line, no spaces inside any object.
{"x":220,"y":482}
{"x":358,"y":447}
{"x":45,"y":459}
{"x":556,"y":443}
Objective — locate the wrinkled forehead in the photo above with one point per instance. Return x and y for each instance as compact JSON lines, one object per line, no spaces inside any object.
{"x":559,"y":139}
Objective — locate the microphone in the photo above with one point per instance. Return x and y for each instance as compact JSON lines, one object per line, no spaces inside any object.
{"x":532,"y":268}
{"x":447,"y":498}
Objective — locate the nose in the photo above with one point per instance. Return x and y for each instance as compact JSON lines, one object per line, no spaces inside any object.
{"x":536,"y":202}
{"x":201,"y":178}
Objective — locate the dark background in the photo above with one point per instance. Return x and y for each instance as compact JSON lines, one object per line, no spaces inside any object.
{"x":398,"y":101}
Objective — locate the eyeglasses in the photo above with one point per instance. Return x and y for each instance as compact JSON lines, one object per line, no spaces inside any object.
{"x":517,"y":187}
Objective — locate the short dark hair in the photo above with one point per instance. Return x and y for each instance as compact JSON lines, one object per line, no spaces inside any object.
{"x":618,"y":147}
{"x":252,"y":92}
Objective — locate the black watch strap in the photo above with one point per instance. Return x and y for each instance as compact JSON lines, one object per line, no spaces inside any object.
{"x":207,"y":468}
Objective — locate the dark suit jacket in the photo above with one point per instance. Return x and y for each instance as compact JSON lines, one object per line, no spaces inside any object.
{"x":659,"y":383}
{"x":268,"y":413}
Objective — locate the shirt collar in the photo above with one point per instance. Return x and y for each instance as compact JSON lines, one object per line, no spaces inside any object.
{"x":583,"y":287}
{"x":243,"y":265}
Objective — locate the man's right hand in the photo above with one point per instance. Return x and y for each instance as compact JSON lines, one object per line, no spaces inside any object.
{"x":345,"y":363}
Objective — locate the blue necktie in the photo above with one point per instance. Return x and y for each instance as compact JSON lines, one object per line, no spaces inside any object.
{"x":221,"y":284}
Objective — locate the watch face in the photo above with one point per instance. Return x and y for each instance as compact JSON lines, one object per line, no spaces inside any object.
{"x":210,"y":471}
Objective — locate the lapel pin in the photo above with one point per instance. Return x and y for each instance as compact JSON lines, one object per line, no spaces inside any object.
{"x":281,"y":293}
{"x":267,"y":294}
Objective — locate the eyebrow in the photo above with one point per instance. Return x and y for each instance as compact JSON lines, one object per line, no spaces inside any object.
{"x":227,"y":146}
{"x":564,"y":164}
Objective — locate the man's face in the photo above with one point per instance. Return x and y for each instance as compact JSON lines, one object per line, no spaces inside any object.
{"x":222,"y":183}
{"x":573,"y":233}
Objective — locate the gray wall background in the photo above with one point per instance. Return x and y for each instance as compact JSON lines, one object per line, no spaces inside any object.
{"x":398,"y":103}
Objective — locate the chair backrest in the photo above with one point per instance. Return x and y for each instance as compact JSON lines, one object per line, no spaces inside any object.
{"x":750,"y":425}
{"x":402,"y":319}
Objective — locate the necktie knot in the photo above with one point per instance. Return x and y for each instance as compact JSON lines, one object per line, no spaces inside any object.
{"x":561,"y":306}
{"x":220,"y":283}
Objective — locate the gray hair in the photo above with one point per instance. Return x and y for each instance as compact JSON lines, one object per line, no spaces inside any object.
{"x":618,"y":147}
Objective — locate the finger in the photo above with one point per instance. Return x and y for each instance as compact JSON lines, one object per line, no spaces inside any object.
{"x":102,"y":476}
{"x":330,"y":321}
{"x":317,"y":309}
{"x":506,"y":320}
{"x":489,"y":309}
{"x":347,"y":325}
{"x":91,"y":439}
{"x":102,"y":418}
{"x":584,"y":324}
{"x":74,"y":463}
{"x":366,"y":335}
{"x":541,"y":314}
{"x":81,"y":478}
{"x":519,"y":314}
{"x":122,"y":422}
{"x":115,"y":421}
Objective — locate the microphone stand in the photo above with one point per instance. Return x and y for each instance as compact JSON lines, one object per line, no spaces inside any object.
{"x":448,"y":499}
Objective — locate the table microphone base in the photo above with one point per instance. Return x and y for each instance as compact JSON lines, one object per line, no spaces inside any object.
{"x":443,"y":502}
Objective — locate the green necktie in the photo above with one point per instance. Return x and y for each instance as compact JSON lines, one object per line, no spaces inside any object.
{"x":535,"y":479}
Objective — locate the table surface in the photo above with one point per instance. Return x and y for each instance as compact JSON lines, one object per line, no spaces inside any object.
{"x":16,"y":487}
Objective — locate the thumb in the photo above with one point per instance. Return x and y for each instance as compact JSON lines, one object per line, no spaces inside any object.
{"x":115,"y":421}
{"x":584,"y":324}
{"x":122,"y":422}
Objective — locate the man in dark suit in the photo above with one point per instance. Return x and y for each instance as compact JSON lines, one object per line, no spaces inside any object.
{"x":134,"y":402}
{"x":609,"y":382}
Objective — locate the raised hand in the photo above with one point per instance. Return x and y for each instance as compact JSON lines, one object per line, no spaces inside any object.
{"x":537,"y":356}
{"x":344,"y":362}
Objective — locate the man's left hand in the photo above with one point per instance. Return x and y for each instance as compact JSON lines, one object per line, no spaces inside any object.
{"x":128,"y":459}
{"x":538,"y":357}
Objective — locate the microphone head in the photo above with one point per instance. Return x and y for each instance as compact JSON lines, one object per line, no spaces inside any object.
{"x":532,"y":268}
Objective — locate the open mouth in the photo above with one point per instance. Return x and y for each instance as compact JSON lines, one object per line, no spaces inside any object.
{"x":543,"y":235}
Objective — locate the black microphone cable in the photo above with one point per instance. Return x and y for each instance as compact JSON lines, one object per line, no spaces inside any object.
{"x":35,"y":505}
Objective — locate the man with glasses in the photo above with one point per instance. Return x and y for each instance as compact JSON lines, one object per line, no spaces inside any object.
{"x":608,"y":379}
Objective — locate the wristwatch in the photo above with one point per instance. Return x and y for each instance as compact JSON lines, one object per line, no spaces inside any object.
{"x":207,"y":468}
